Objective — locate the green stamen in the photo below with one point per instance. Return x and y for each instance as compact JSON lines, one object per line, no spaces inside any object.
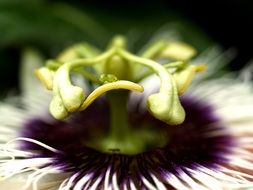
{"x":167,"y":95}
{"x":113,"y":70}
{"x":45,"y":76}
{"x":178,"y":51}
{"x":152,"y":51}
{"x":184,"y":77}
{"x":73,"y":96}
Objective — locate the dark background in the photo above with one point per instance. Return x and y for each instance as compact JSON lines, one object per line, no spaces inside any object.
{"x":228,"y":22}
{"x":37,"y":23}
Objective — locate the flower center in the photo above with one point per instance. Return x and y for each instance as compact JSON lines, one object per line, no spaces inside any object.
{"x":80,"y":136}
{"x":122,"y":137}
{"x":119,"y":70}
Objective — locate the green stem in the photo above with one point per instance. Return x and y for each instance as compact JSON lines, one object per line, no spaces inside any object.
{"x":119,"y":126}
{"x":122,"y":137}
{"x":89,"y":61}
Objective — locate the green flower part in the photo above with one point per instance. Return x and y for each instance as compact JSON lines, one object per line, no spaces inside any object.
{"x":117,"y":68}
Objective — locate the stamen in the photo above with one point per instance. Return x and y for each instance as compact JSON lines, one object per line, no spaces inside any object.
{"x":45,"y":76}
{"x":164,"y":105}
{"x":72,"y":96}
{"x":54,"y":65}
{"x":68,"y":98}
{"x":57,"y":108}
{"x":79,"y":50}
{"x":172,"y":67}
{"x":184,"y":77}
{"x":154,"y":49}
{"x":178,"y":51}
{"x":117,"y":63}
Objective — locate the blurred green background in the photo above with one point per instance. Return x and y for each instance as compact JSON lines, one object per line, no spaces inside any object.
{"x":49,"y":26}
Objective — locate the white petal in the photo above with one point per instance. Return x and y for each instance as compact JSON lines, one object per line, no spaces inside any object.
{"x":151,"y":85}
{"x":29,"y":84}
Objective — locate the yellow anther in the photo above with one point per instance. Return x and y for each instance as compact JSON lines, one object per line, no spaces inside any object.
{"x":178,"y":51}
{"x":184,"y":77}
{"x":69,"y":54}
{"x":45,"y":76}
{"x":200,"y":67}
